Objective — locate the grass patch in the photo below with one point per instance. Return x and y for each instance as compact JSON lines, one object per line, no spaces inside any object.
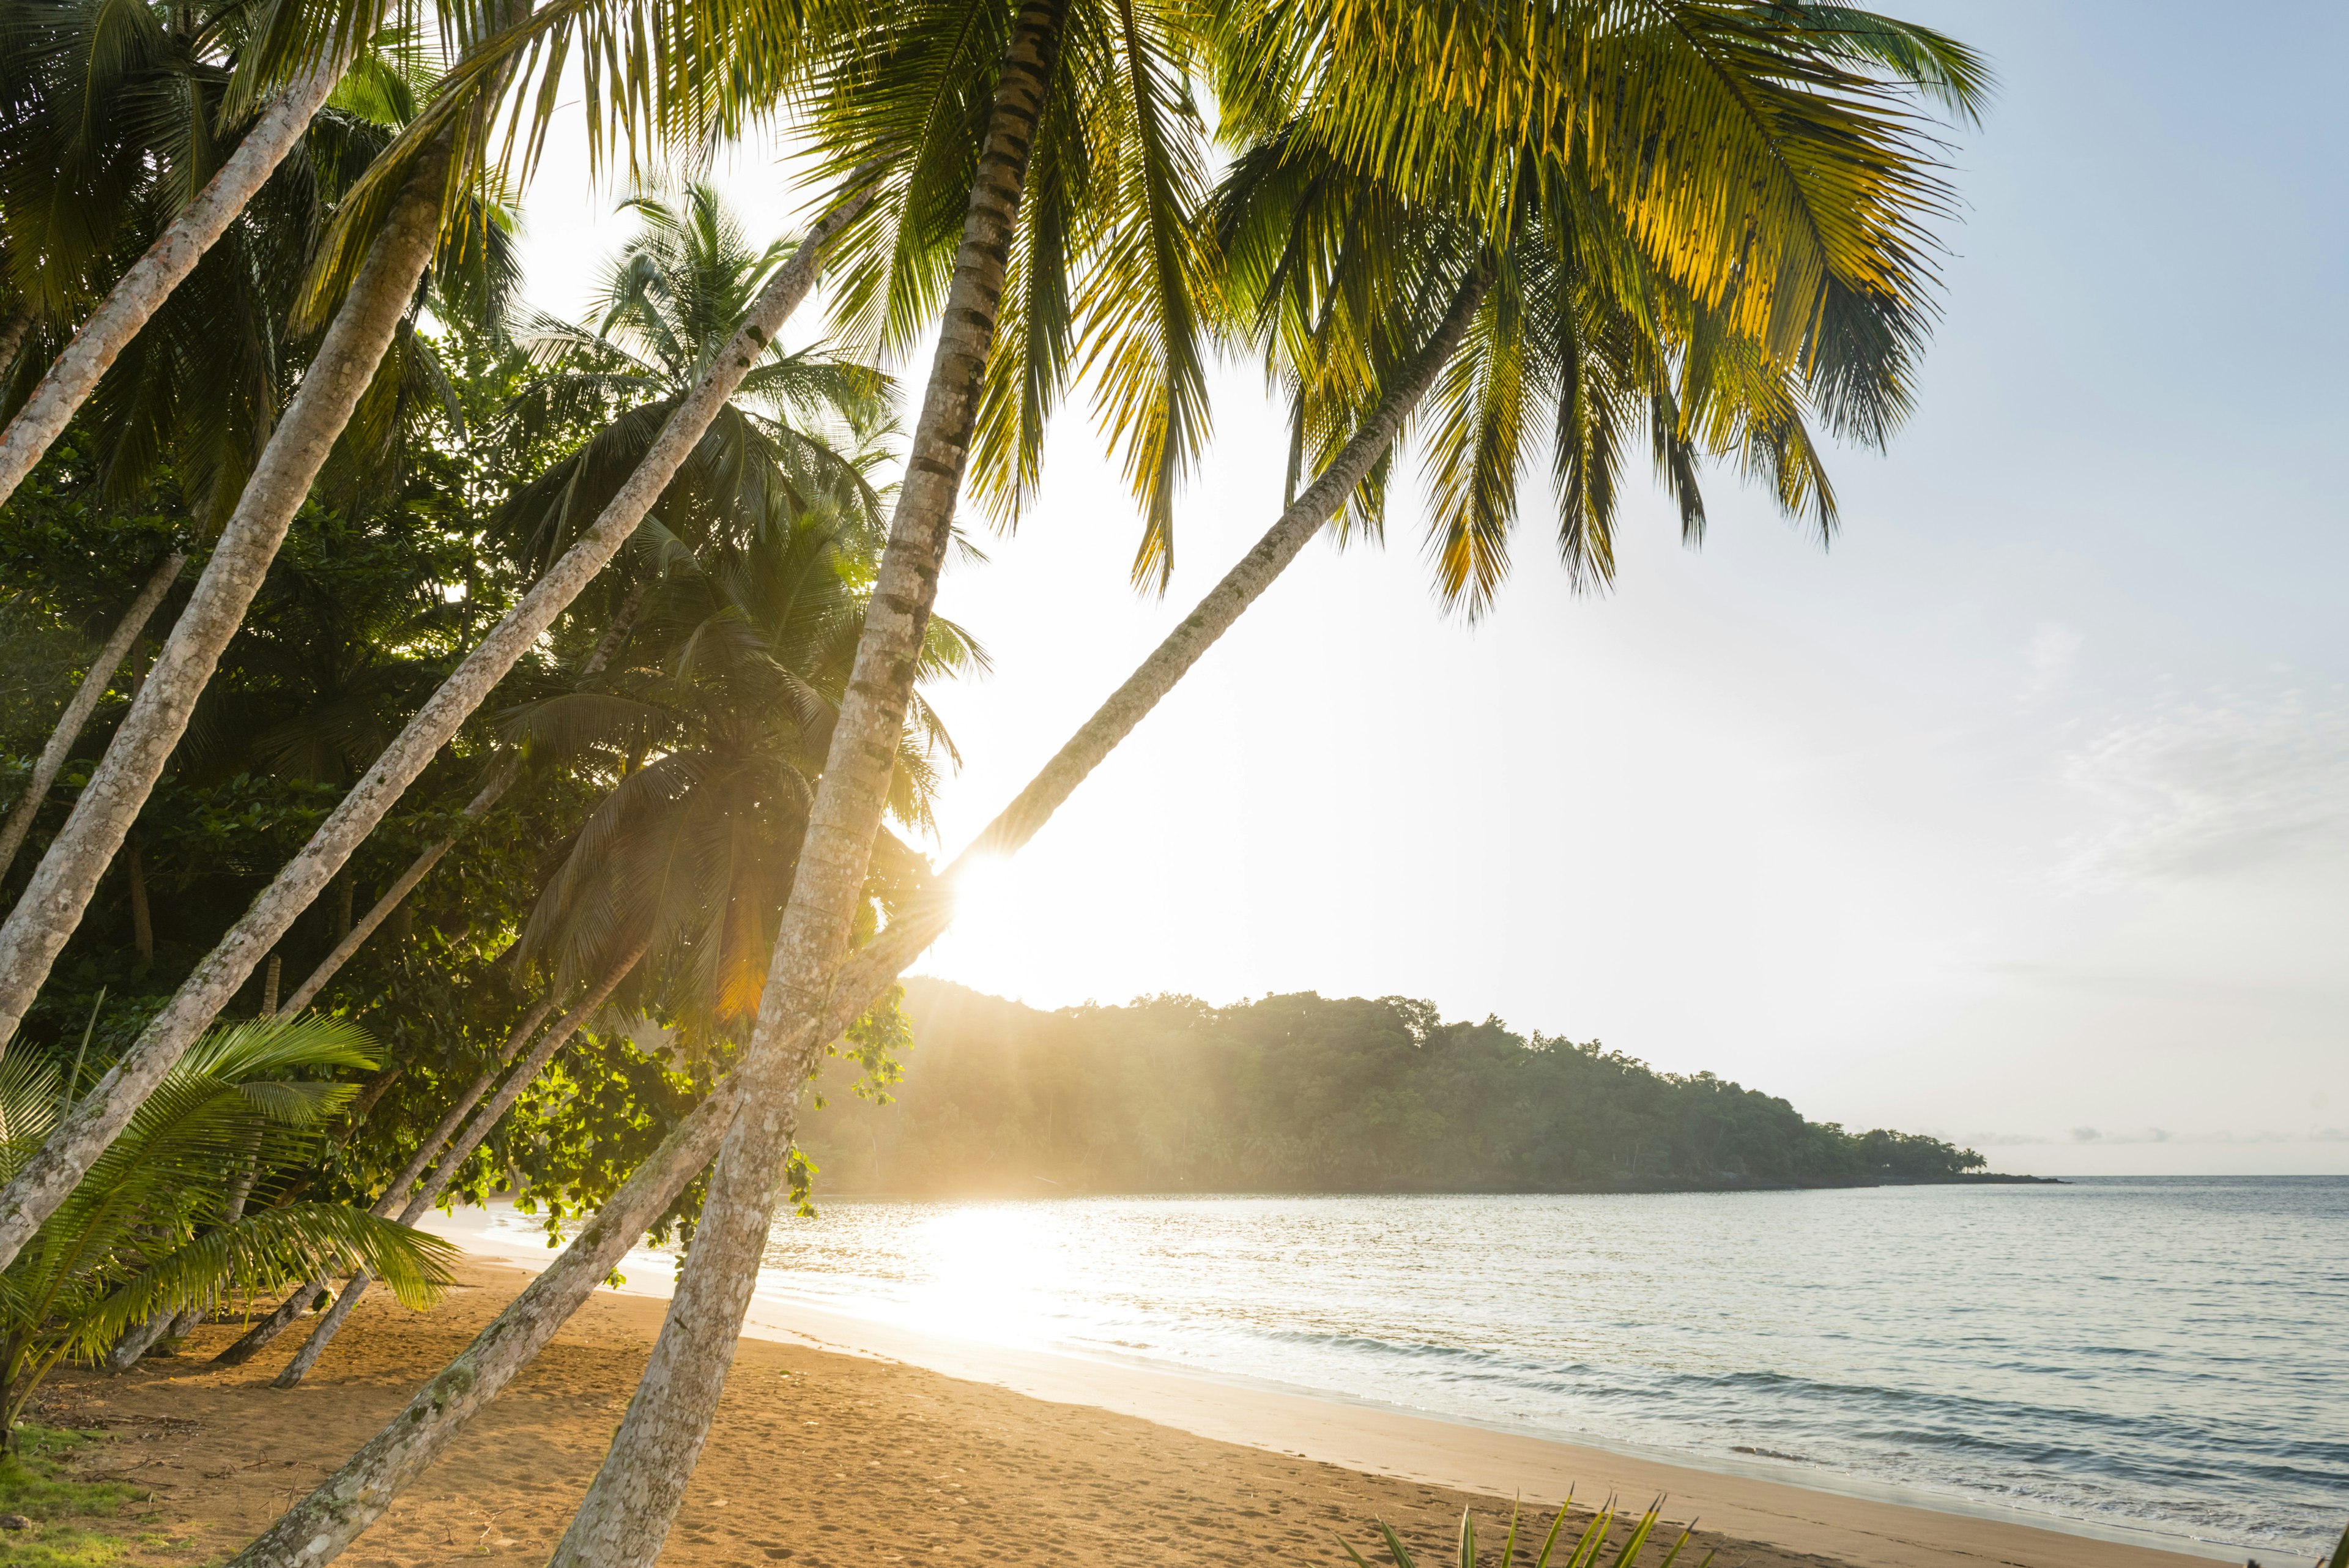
{"x":37,"y":1482}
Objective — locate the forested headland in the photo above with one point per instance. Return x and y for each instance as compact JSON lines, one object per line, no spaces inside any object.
{"x":1311,"y":1094}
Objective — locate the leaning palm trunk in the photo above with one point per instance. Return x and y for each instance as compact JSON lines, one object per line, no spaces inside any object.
{"x":60,"y":889}
{"x":254,"y":1339}
{"x":141,"y":291}
{"x":493,"y":1113}
{"x":99,"y":1117}
{"x":85,"y":701}
{"x":393,"y":895}
{"x":626,"y":1514}
{"x":317,"y":1530}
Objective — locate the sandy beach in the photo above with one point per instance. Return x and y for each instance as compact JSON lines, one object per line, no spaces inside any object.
{"x":884,"y":1449}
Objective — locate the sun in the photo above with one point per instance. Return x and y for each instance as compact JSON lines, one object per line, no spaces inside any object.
{"x":987,"y":890}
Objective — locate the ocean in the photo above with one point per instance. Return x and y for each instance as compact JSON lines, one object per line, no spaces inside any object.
{"x":2167,"y":1354}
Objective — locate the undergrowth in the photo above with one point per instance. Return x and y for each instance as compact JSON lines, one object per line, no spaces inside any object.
{"x":74,"y":1524}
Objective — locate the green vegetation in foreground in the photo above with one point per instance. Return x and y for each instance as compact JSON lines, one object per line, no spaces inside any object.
{"x":35,"y":1481}
{"x":1311,"y":1094}
{"x":1582,"y":1550}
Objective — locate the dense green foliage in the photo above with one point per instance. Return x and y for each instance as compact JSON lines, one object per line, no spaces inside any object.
{"x":1307,"y":1094}
{"x":394,"y":569}
{"x":190,"y":1208}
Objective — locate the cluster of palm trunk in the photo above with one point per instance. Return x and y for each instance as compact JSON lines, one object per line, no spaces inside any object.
{"x":1541,"y":227}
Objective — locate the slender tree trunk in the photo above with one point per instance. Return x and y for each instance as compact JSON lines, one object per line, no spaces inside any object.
{"x":331,"y":1322}
{"x":142,"y":919}
{"x":52,"y":906}
{"x":624,"y":620}
{"x":84,"y":702}
{"x":395,"y":1197}
{"x":141,"y":291}
{"x":136,"y":1342}
{"x":356,"y":1113}
{"x":354,"y":937}
{"x":100,"y":1116}
{"x":254,"y":1339}
{"x":626,"y":1514}
{"x":346,"y":891}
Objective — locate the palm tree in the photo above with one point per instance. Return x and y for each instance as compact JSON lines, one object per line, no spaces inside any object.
{"x":667,"y":306}
{"x":45,"y":1178}
{"x":1882,"y":179}
{"x":131,"y":132}
{"x":977,"y":107}
{"x":357,"y":1493}
{"x":800,"y":433}
{"x":680,"y":868}
{"x":149,"y":1234}
{"x":370,"y":260}
{"x":364,"y":326}
{"x":717,"y":739}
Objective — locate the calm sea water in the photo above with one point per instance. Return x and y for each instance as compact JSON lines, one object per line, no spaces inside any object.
{"x":2165,"y":1354}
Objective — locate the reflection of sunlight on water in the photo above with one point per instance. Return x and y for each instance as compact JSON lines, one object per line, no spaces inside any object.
{"x":991,"y":1275}
{"x":982,"y":1271}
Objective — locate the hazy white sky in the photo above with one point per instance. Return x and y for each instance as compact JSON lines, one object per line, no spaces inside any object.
{"x":2020,"y":816}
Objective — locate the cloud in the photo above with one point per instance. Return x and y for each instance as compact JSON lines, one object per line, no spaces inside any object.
{"x":2199,"y":791}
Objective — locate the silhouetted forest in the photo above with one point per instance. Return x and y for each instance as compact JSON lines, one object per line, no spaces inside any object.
{"x":1310,"y":1094}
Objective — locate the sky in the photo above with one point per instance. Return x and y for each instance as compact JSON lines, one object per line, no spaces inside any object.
{"x":2019,"y":816}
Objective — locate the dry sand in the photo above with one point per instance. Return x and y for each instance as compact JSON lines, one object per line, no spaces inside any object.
{"x":824,"y":1459}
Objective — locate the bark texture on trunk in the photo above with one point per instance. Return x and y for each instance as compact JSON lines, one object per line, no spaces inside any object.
{"x":141,"y":291}
{"x":355,"y":937}
{"x":331,"y":1323}
{"x":44,"y":1181}
{"x":323,"y":1524}
{"x":60,"y":889}
{"x":626,"y":1514}
{"x":624,"y":620}
{"x":136,"y":1342}
{"x":86,"y":697}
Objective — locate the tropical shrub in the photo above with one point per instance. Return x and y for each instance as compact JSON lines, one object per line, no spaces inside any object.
{"x":189,"y":1207}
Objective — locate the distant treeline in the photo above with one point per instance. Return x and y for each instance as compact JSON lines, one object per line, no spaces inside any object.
{"x":1307,"y":1093}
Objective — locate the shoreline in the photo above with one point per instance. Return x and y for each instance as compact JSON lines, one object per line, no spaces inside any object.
{"x":1855,"y":1520}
